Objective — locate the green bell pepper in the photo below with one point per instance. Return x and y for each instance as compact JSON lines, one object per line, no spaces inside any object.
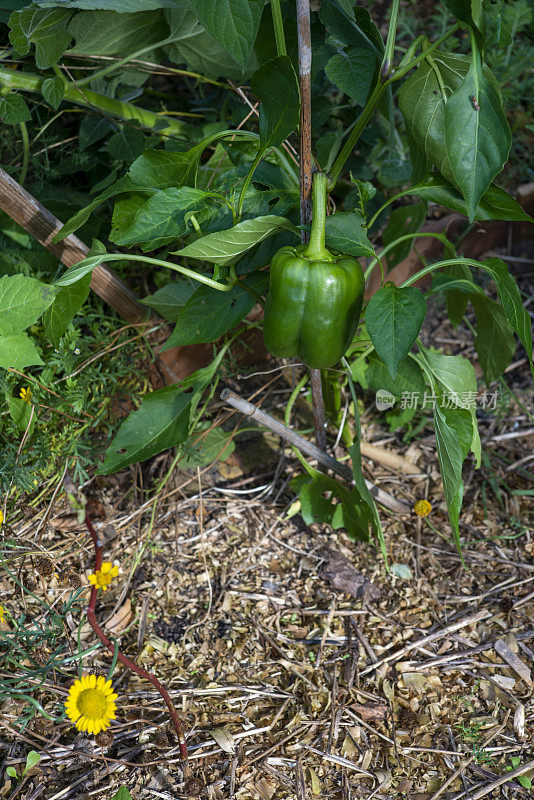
{"x":315,"y":298}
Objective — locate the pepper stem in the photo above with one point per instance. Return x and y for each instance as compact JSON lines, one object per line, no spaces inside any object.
{"x":316,"y":246}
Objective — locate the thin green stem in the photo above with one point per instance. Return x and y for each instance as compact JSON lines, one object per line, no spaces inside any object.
{"x":189,"y":273}
{"x":357,"y":131}
{"x":316,"y":247}
{"x":373,"y":102}
{"x":114,"y":659}
{"x":405,"y":238}
{"x":278,"y":25}
{"x":122,"y":61}
{"x":449,"y":262}
{"x":246,"y":182}
{"x":387,"y":61}
{"x":25,"y":152}
{"x":287,"y":420}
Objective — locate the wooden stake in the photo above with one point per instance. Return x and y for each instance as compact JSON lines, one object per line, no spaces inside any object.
{"x":305,"y":63}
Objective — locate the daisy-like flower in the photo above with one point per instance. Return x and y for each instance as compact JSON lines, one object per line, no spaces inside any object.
{"x":2,"y":613}
{"x":103,"y":577}
{"x":422,"y":508}
{"x":26,"y":394}
{"x":91,"y":703}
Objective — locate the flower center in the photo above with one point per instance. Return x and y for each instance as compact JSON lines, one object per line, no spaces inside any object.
{"x":92,"y":704}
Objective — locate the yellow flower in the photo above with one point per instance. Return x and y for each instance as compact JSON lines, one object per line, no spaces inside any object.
{"x":422,"y":508}
{"x":103,"y":577}
{"x":2,"y":613}
{"x":1,"y":518}
{"x":26,"y":394}
{"x":91,"y":703}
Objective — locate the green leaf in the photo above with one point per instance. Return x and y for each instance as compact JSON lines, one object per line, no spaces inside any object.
{"x":408,"y":380}
{"x":346,"y":232}
{"x":53,"y":90}
{"x":275,"y":84}
{"x":13,"y":109}
{"x":353,"y":72}
{"x":511,"y":299}
{"x":403,"y":220}
{"x":122,"y":794}
{"x":225,"y":247}
{"x":424,"y":100}
{"x":152,"y":171}
{"x":162,"y":421}
{"x":233,"y":23}
{"x":17,"y":351}
{"x":44,"y":28}
{"x":352,"y":26}
{"x":350,"y":513}
{"x":477,"y":133}
{"x":158,"y":219}
{"x":120,"y":6}
{"x":393,"y":320}
{"x":170,"y":299}
{"x":108,"y":33}
{"x":12,"y":772}
{"x":209,"y":313}
{"x":22,"y":301}
{"x":203,"y":448}
{"x":32,"y":759}
{"x":127,"y":144}
{"x":495,"y":203}
{"x":453,"y":428}
{"x":494,"y":340}
{"x":20,"y":412}
{"x":194,"y":47}
{"x":67,"y":302}
{"x":470,"y":12}
{"x":455,"y":379}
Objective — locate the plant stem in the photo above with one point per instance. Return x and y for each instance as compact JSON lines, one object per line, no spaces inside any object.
{"x":316,"y":246}
{"x":424,"y":235}
{"x":305,"y":62}
{"x":164,"y":126}
{"x":189,"y":273}
{"x":91,"y":618}
{"x":387,"y":61}
{"x":278,"y":25}
{"x":122,"y":61}
{"x":247,"y":180}
{"x":287,"y":420}
{"x":25,"y":152}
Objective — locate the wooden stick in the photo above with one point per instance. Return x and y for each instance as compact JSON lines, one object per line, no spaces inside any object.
{"x":305,"y":64}
{"x":40,"y":223}
{"x":242,"y":405}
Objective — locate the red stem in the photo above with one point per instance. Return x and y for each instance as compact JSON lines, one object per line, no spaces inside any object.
{"x":91,"y":617}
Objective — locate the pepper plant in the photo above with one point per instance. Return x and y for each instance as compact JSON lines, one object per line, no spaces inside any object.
{"x":217,"y":209}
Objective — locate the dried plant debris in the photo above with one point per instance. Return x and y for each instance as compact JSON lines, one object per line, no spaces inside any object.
{"x":300,"y":666}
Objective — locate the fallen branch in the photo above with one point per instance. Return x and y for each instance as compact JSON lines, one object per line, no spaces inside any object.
{"x":242,"y":405}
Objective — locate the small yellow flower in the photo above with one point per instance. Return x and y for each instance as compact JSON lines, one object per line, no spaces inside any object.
{"x":2,"y":613}
{"x":103,"y":577}
{"x":422,"y":508}
{"x":91,"y":703}
{"x":1,"y":518}
{"x":26,"y":394}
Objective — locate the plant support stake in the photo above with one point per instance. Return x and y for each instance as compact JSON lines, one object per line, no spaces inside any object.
{"x":305,"y":63}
